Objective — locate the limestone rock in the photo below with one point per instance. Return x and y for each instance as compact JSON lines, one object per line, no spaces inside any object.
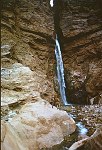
{"x":37,"y":126}
{"x":19,"y":83}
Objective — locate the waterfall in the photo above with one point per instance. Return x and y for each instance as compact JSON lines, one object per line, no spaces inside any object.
{"x":51,"y":3}
{"x":60,"y":68}
{"x":60,"y":72}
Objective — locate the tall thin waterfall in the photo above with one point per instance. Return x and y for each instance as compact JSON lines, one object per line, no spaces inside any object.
{"x":60,"y":72}
{"x":60,"y":68}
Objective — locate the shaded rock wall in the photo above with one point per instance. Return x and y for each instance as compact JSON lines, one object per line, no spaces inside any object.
{"x":81,"y":23}
{"x":26,"y":26}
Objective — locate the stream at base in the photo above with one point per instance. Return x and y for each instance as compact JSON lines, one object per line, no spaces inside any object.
{"x":87,"y":118}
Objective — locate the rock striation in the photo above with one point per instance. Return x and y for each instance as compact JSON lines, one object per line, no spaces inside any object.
{"x":27,"y":39}
{"x":27,"y":29}
{"x":81,"y":24}
{"x":28,"y":68}
{"x":19,"y":83}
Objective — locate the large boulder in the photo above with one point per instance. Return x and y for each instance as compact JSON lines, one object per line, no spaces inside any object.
{"x":38,"y":125}
{"x":9,"y":140}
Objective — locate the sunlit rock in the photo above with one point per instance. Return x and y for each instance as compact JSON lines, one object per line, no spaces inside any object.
{"x":5,"y":50}
{"x":19,"y":83}
{"x":38,"y":125}
{"x":9,"y":139}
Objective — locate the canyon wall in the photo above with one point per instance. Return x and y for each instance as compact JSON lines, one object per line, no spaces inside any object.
{"x":81,"y":24}
{"x":28,"y":38}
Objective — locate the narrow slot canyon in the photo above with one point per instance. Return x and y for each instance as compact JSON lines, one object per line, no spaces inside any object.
{"x":51,"y":74}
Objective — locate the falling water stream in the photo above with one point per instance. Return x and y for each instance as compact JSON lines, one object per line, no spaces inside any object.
{"x":61,"y":81}
{"x":81,"y":130}
{"x":60,"y":72}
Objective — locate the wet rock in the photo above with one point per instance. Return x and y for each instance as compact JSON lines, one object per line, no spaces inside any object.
{"x":82,"y":136}
{"x":93,"y":142}
{"x":38,"y":126}
{"x":96,"y":99}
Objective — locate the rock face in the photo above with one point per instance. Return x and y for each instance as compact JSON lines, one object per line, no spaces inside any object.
{"x":37,"y":126}
{"x":82,"y":30}
{"x":19,"y":83}
{"x":27,"y":38}
{"x":27,"y":31}
{"x":24,"y":43}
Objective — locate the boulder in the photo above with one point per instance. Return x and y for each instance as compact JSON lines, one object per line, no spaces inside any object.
{"x":9,"y":139}
{"x":38,"y":125}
